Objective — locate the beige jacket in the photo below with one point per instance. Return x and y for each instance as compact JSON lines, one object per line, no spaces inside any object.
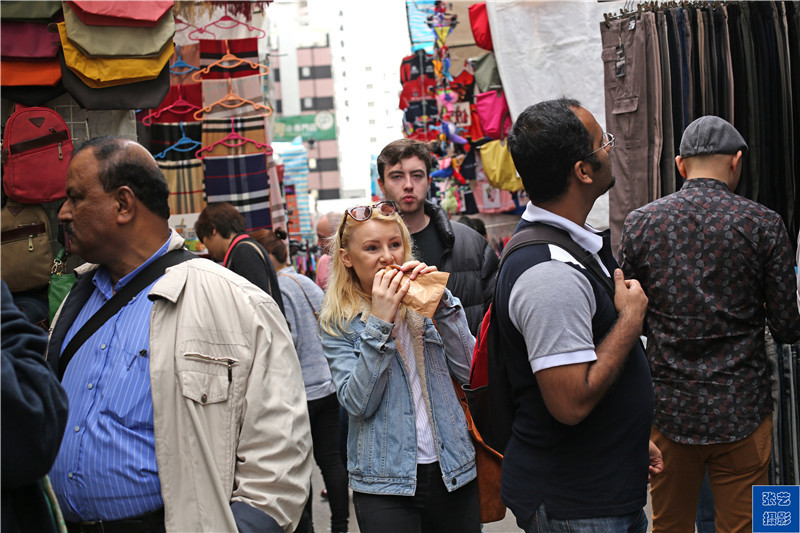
{"x":229,"y":405}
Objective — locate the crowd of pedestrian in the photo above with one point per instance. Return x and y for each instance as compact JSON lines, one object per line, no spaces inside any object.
{"x":178,"y":393}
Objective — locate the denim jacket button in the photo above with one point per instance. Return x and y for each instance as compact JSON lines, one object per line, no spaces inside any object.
{"x":441,"y":445}
{"x":454,"y":481}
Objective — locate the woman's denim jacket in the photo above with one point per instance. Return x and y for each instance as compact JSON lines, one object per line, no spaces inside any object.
{"x":372,"y":384}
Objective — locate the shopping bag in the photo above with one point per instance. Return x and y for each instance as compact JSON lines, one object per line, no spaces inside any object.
{"x":144,"y":13}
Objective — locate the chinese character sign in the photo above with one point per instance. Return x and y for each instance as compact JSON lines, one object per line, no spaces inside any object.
{"x":776,"y":508}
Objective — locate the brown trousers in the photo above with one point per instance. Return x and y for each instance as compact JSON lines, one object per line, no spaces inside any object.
{"x":733,"y":468}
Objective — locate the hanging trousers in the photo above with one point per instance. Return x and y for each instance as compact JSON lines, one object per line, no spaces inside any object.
{"x":633,"y":114}
{"x":667,"y":168}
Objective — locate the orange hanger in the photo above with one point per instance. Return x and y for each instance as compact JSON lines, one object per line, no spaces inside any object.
{"x":179,"y":107}
{"x":227,"y":18}
{"x":230,"y":101}
{"x":233,"y":140}
{"x":222,"y":63}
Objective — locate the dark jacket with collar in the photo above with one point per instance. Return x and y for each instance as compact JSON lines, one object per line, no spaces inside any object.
{"x":471,"y":262}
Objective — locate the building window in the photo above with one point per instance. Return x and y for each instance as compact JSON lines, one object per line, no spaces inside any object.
{"x":308,"y":103}
{"x":370,"y":104}
{"x":305,"y":72}
{"x":369,"y":86}
{"x":372,"y":121}
{"x":373,"y":139}
{"x":368,"y":69}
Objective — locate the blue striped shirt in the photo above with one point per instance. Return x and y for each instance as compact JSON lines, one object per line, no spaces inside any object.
{"x":106,"y":468}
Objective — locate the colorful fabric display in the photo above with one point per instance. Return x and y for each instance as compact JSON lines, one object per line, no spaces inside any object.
{"x":101,"y":72}
{"x":295,"y":182}
{"x":179,"y":72}
{"x":276,"y":198}
{"x":249,"y":88}
{"x":243,"y":181}
{"x":185,"y":182}
{"x":253,"y":128}
{"x":26,"y":40}
{"x":118,"y":41}
{"x":188,"y":93}
{"x":213,"y":50}
{"x":164,"y":135}
{"x":146,"y":13}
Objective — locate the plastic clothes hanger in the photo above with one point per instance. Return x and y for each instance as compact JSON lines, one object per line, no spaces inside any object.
{"x":223,"y":62}
{"x":179,"y":107}
{"x":232,"y":140}
{"x":230,"y":101}
{"x":227,"y":18}
{"x":185,"y":26}
{"x":180,"y":63}
{"x":184,"y":144}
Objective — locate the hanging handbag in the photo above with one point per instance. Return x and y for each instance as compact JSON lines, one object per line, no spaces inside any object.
{"x":118,"y":41}
{"x":14,"y":73}
{"x":37,"y":149}
{"x":493,"y":113}
{"x":27,"y":254}
{"x":60,"y":282}
{"x":27,"y":10}
{"x":101,"y":72}
{"x":499,"y":166}
{"x":479,"y":23}
{"x":26,"y":40}
{"x":140,"y":95}
{"x":117,"y":13}
{"x":489,"y":465}
{"x":487,"y":76}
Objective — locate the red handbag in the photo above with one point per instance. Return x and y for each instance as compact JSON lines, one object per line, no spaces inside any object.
{"x":116,"y":13}
{"x":479,"y":22}
{"x":37,"y":148}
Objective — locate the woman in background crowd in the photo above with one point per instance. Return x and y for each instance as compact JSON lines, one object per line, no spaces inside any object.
{"x":302,"y":299}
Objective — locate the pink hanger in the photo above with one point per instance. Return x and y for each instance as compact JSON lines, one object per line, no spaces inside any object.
{"x":227,"y":18}
{"x":232,"y":140}
{"x":230,"y":101}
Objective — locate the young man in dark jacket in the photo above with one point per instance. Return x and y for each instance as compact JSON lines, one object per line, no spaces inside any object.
{"x":404,"y":177}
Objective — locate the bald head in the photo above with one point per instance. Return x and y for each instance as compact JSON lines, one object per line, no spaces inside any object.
{"x":326,"y":226}
{"x":121,"y":162}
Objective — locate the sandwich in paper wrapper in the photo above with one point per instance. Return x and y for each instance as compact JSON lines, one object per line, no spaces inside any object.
{"x":425,"y":292}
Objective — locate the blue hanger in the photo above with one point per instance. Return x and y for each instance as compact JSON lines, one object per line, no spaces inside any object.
{"x":184,"y":144}
{"x":180,"y":63}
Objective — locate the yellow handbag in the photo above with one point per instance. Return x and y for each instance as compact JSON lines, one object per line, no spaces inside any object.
{"x":499,"y":166}
{"x":102,"y":72}
{"x":118,"y":41}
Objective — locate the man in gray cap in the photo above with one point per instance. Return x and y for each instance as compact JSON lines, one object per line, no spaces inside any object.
{"x":716,"y":268}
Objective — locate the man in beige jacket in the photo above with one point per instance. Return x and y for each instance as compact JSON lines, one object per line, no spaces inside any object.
{"x":188,"y":411}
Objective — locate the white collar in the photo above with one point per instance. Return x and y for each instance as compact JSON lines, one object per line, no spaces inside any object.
{"x":585,"y":236}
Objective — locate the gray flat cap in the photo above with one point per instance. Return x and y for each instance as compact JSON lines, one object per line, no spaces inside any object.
{"x":711,"y":135}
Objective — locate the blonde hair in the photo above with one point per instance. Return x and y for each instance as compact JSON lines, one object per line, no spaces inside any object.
{"x":344,"y":297}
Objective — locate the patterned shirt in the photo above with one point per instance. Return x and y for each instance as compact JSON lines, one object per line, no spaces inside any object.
{"x":714,"y":266}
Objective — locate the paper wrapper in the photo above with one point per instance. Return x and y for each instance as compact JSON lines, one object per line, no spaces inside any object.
{"x":425,"y":292}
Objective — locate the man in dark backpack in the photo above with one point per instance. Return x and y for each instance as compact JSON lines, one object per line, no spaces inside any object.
{"x":579,"y":452}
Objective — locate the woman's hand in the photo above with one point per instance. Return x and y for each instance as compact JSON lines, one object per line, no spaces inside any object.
{"x":389,"y":286}
{"x":417,"y":268}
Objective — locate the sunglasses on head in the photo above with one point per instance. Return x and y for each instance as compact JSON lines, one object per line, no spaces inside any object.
{"x":360,"y":213}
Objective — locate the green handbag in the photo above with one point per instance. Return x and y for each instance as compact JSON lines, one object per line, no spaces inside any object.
{"x":60,"y":283}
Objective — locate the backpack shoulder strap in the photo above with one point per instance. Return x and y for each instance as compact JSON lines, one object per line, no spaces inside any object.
{"x":544,"y":234}
{"x":151,"y":272}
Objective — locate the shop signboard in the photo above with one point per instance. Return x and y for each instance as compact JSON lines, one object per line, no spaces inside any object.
{"x":319,"y":126}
